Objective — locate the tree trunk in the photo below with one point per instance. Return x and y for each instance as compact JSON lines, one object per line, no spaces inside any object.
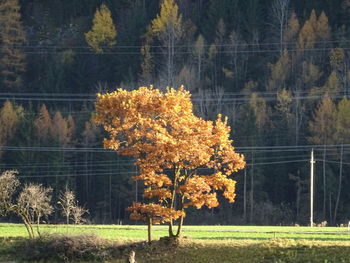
{"x":339,"y":184}
{"x":179,"y":227}
{"x":149,"y":228}
{"x":173,"y":197}
{"x":37,"y":225}
{"x":181,"y":220}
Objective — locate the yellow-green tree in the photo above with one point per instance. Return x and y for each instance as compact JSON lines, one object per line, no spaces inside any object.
{"x":279,"y":72}
{"x":43,"y":125}
{"x":10,"y":116}
{"x":322,"y":132}
{"x":103,"y":32}
{"x":183,"y":159}
{"x":12,"y":38}
{"x":342,"y":137}
{"x":167,"y":27}
{"x":323,"y":30}
{"x":292,"y":29}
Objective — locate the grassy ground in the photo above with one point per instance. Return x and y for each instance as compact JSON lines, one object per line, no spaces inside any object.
{"x":205,"y":244}
{"x":138,"y":232}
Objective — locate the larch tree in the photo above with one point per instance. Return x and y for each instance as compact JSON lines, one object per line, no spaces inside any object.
{"x":342,"y":137}
{"x":280,"y":14}
{"x":279,"y":72}
{"x":292,"y":29}
{"x":199,"y":53}
{"x":12,"y":39}
{"x":147,"y":67}
{"x":307,"y":36}
{"x":183,"y":160}
{"x":168,"y":28}
{"x":43,"y":125}
{"x":10,"y":116}
{"x":103,"y":32}
{"x":322,"y":130}
{"x":62,"y":129}
{"x":323,"y":30}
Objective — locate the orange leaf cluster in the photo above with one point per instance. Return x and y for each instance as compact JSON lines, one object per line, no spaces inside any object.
{"x":158,"y":213}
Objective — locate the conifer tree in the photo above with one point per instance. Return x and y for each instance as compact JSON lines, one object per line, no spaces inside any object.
{"x":279,"y":72}
{"x":59,"y":129}
{"x":12,"y":38}
{"x":307,"y":36}
{"x":43,"y":124}
{"x":103,"y":32}
{"x":167,"y":27}
{"x":323,"y":30}
{"x":293,"y":28}
{"x":147,"y":68}
{"x":322,"y":130}
{"x":10,"y":116}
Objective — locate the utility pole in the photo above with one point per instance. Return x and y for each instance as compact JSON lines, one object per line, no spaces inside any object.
{"x":312,"y":162}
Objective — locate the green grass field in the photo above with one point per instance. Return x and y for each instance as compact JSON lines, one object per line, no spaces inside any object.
{"x":138,"y":232}
{"x":204,"y":244}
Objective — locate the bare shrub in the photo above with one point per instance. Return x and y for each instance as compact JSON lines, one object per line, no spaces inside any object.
{"x":63,"y":248}
{"x":34,"y":203}
{"x":67,"y":203}
{"x":78,"y":213}
{"x":8,"y":186}
{"x":70,"y":207}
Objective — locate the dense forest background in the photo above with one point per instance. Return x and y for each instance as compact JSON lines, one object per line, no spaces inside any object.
{"x":279,"y":69}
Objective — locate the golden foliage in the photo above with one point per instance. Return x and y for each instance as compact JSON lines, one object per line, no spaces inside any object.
{"x":12,"y":38}
{"x":158,"y":213}
{"x":293,"y":27}
{"x":337,"y":57}
{"x":307,"y":36}
{"x":10,"y":116}
{"x":279,"y":71}
{"x":323,"y":30}
{"x":169,"y":143}
{"x":331,"y":87}
{"x":323,"y":125}
{"x":310,"y":74}
{"x":103,"y":31}
{"x":343,"y":122}
{"x":43,"y":124}
{"x":168,"y":18}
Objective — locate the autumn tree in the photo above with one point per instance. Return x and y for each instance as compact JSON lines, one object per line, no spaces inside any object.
{"x":12,"y":39}
{"x":43,"y":124}
{"x":167,"y":28}
{"x":183,"y":160}
{"x":62,"y":129}
{"x":10,"y":116}
{"x":292,"y":29}
{"x":342,"y":137}
{"x":198,"y":54}
{"x":307,"y":34}
{"x":322,"y":129}
{"x":103,"y":32}
{"x":279,"y":72}
{"x":280,"y":14}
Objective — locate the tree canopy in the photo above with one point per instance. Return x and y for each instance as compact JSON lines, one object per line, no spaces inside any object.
{"x":183,"y":159}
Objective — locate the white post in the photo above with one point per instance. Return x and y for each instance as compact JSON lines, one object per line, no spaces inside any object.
{"x":312,"y":162}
